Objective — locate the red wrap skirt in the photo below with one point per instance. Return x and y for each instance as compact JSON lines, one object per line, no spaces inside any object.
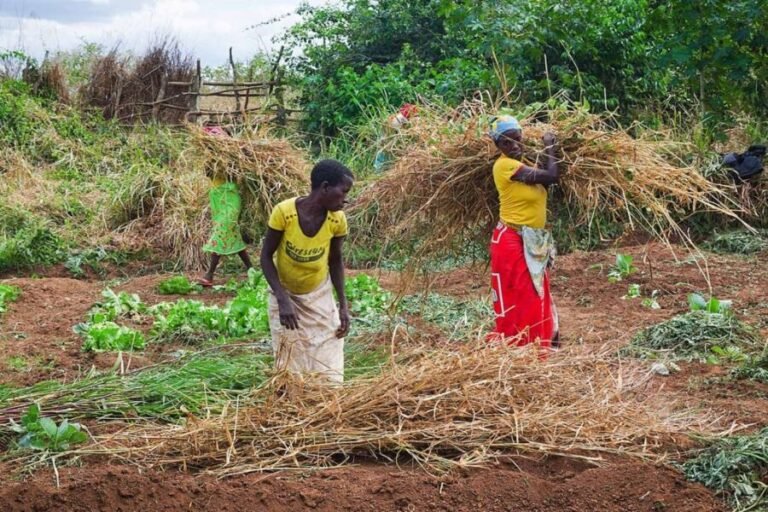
{"x":522,"y":316}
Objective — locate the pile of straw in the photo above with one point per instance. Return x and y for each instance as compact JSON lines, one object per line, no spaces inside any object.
{"x":442,"y":187}
{"x":457,"y":406}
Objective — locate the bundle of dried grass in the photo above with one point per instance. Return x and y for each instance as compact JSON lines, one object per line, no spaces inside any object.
{"x":104,"y":87}
{"x":443,"y":188}
{"x":267,"y":170}
{"x":167,"y":208}
{"x":460,"y":405}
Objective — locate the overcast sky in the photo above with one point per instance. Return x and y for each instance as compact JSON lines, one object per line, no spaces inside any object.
{"x":206,"y":28}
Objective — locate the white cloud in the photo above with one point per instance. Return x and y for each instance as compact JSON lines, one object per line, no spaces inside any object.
{"x":205,"y":28}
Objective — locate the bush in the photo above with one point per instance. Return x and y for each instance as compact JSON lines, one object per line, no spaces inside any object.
{"x":26,"y":241}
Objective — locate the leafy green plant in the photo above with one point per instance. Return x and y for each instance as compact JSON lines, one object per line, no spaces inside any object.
{"x":738,"y":242}
{"x":109,"y":337}
{"x":178,"y":285}
{"x":41,"y":433}
{"x":693,"y":335}
{"x":368,"y":302}
{"x":192,"y":321}
{"x":633,"y":292}
{"x":697,"y":302}
{"x":734,"y":467}
{"x":116,"y":305}
{"x":622,"y":269}
{"x":91,"y":258}
{"x":8,"y":293}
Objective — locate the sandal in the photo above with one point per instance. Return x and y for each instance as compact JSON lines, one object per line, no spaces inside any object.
{"x":205,"y":283}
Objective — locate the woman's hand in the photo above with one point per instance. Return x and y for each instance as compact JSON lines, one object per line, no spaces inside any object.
{"x":549,"y":139}
{"x":344,"y":318}
{"x":288,"y":317}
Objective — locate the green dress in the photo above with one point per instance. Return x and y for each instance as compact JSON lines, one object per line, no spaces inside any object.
{"x":225,"y":213}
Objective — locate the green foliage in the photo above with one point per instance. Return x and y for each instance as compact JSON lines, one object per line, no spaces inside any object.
{"x":694,"y":335}
{"x":8,"y":293}
{"x":178,"y":285}
{"x":368,"y":303}
{"x":92,"y":258}
{"x":361,"y":55}
{"x":193,"y":321}
{"x":43,"y":434}
{"x":17,"y":125}
{"x":26,"y":241}
{"x":622,"y":269}
{"x":716,"y":48}
{"x":697,"y":302}
{"x":116,"y":305}
{"x":738,"y":242}
{"x":105,"y":336}
{"x":734,"y":466}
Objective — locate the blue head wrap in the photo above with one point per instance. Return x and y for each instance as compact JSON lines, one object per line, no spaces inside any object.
{"x":502,"y":124}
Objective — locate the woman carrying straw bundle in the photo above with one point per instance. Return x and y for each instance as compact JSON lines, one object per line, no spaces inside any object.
{"x":521,"y":248}
{"x":225,"y":214}
{"x":302,"y":262}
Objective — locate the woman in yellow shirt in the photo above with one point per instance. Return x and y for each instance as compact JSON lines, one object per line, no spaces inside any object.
{"x":302,"y":262}
{"x":521,"y":247}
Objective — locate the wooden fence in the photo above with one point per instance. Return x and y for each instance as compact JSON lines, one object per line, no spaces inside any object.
{"x":253,"y":102}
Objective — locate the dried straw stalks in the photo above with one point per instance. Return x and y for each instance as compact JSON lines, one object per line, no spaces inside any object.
{"x":441,"y":188}
{"x":268,"y":169}
{"x":460,"y":405}
{"x":168,"y":207}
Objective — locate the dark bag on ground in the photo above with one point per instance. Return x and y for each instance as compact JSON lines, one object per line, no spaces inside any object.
{"x":747,"y":165}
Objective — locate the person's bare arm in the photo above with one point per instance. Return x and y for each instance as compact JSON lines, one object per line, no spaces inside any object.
{"x":288,"y":316}
{"x":336,"y":265}
{"x":548,"y":176}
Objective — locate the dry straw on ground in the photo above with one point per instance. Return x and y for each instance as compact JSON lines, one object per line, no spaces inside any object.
{"x":459,"y":405}
{"x":441,"y":186}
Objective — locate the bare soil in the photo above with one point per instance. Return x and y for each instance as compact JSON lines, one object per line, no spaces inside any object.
{"x":37,"y":343}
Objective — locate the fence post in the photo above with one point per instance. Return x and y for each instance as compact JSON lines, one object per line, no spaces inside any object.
{"x":238,"y":105}
{"x":160,"y":94}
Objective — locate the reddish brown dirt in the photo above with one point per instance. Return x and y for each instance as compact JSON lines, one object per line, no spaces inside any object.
{"x":554,"y":485}
{"x":37,"y":329}
{"x":36,"y":337}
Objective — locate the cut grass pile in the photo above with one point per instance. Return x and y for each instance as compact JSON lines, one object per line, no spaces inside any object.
{"x":693,"y":335}
{"x":735,"y":467}
{"x":462,"y":405}
{"x":738,"y":242}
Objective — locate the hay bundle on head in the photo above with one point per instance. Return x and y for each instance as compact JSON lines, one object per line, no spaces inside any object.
{"x":168,"y":207}
{"x":441,"y":189}
{"x":268,"y":169}
{"x":461,"y":405}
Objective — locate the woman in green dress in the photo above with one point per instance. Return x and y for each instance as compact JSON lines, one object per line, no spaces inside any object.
{"x":225,"y":213}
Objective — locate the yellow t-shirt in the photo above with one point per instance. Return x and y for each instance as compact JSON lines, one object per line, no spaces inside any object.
{"x":301,"y":261}
{"x":520,"y":204}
